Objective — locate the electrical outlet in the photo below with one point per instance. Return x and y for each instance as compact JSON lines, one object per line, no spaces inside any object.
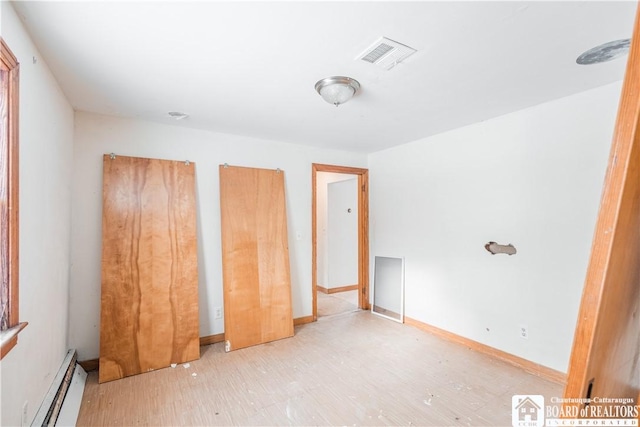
{"x":524,"y":332}
{"x":217,"y":313}
{"x":25,"y":414}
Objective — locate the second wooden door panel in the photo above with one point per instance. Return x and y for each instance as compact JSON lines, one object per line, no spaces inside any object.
{"x":255,"y":256}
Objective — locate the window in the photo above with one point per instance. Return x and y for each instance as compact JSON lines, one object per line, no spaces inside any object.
{"x":9,"y":80}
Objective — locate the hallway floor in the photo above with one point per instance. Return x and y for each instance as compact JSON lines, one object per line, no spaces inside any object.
{"x":338,"y":303}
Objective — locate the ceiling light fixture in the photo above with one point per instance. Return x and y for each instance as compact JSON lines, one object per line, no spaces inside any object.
{"x":604,"y":52}
{"x":337,"y":90}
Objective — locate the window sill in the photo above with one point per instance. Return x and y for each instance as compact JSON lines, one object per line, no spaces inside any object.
{"x":9,"y":338}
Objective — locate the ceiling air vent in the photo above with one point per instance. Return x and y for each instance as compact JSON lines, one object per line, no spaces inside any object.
{"x":386,"y":53}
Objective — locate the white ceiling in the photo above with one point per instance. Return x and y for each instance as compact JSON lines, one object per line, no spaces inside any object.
{"x":249,"y":68}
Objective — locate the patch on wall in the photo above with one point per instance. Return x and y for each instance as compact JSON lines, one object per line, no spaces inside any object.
{"x":496,"y":248}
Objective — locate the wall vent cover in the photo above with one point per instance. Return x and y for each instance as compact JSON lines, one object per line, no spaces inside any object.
{"x":386,"y":53}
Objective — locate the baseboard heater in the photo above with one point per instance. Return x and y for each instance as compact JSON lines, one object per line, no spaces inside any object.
{"x":62,"y":402}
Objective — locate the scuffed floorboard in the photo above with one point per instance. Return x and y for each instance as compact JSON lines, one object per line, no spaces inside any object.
{"x":352,"y":369}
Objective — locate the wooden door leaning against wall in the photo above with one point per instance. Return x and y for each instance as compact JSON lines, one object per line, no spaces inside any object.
{"x":149,"y":306}
{"x":255,"y":257}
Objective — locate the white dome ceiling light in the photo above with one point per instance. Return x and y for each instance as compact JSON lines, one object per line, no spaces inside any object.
{"x":337,"y":90}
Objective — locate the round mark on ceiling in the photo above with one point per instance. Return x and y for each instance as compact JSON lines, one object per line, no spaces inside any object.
{"x":604,"y":52}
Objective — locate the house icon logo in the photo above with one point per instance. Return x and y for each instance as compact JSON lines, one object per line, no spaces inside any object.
{"x":527,"y":411}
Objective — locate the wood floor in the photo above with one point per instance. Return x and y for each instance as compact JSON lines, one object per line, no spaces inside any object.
{"x":352,"y":368}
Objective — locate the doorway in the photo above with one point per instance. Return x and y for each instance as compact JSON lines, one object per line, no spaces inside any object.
{"x":348,"y":283}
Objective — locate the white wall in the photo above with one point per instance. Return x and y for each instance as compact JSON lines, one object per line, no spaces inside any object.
{"x":342,"y":233}
{"x":96,"y":135}
{"x":46,"y":154}
{"x":532,"y":178}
